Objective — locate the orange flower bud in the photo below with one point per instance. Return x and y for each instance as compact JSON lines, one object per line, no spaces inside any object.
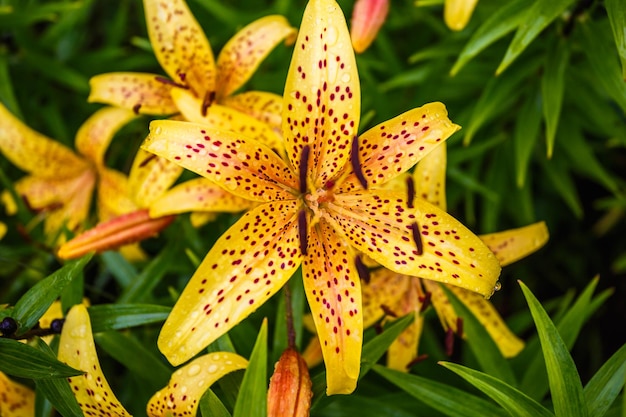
{"x":367,"y":18}
{"x":290,"y":387}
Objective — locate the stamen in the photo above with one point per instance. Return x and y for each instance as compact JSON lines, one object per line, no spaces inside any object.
{"x":388,"y":311}
{"x":356,"y":164}
{"x":410,"y":187}
{"x":417,"y":237}
{"x":170,"y":82}
{"x":417,"y":360}
{"x":148,"y":159}
{"x":304,"y":166}
{"x":136,"y":108}
{"x":459,"y":326}
{"x":363,"y":271}
{"x":303,"y":232}
{"x":208,"y":99}
{"x":449,"y":342}
{"x":425,"y":301}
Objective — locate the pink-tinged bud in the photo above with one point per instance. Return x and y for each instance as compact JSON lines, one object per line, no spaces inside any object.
{"x":457,"y":13}
{"x":119,"y":231}
{"x":367,"y":18}
{"x":290,"y":392}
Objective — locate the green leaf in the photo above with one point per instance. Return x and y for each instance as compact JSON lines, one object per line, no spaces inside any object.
{"x":526,"y":133}
{"x":617,"y":16}
{"x":58,"y":71}
{"x":22,"y":360}
{"x":552,"y":86}
{"x":106,"y":317}
{"x":443,"y":398}
{"x":60,"y":395}
{"x":123,"y":271}
{"x":252,"y":398}
{"x":484,"y":348}
{"x":503,"y":21}
{"x":540,"y":15}
{"x":34,"y":303}
{"x":606,"y":384}
{"x":565,"y":387}
{"x":511,"y":399}
{"x":211,"y":406}
{"x":556,"y":171}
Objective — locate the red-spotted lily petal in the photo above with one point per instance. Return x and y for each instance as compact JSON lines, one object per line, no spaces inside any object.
{"x":509,"y":344}
{"x":456,"y":13}
{"x":429,"y":177}
{"x":181,"y":396}
{"x":512,"y":245}
{"x":150,"y":177}
{"x":312,"y":354}
{"x":143,"y":93}
{"x":367,"y":18}
{"x":290,"y":393}
{"x":393,"y":147}
{"x":242,"y":166}
{"x":119,"y":231}
{"x":382,"y":294}
{"x":322,"y":93}
{"x":94,"y":136}
{"x":77,"y":349}
{"x":222,"y":117}
{"x":263,"y":106}
{"x":34,"y":152}
{"x":16,"y":400}
{"x":243,"y":53}
{"x":402,"y":351}
{"x":198,"y":195}
{"x":180,"y":45}
{"x":421,"y":241}
{"x":113,"y":195}
{"x":332,"y":286}
{"x":245,"y":267}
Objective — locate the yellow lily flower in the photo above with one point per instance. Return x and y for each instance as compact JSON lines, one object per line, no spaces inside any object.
{"x":457,"y":13}
{"x":367,"y":18}
{"x":316,"y":209}
{"x":185,"y":54}
{"x":61,"y":182}
{"x":16,"y":400}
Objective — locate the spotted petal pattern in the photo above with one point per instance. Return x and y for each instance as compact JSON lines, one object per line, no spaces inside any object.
{"x":150,"y":177}
{"x":322,"y":93}
{"x":384,"y":291}
{"x":263,"y":106}
{"x":429,"y":177}
{"x":245,"y":267}
{"x":402,"y":351}
{"x":16,"y":400}
{"x":514,"y":244}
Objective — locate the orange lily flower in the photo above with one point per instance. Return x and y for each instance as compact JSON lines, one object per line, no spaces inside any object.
{"x":367,"y":18}
{"x":185,"y":54}
{"x":318,"y":208}
{"x":61,"y":182}
{"x":16,"y":400}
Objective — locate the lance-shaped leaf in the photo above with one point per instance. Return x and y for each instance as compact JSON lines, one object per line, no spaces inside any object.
{"x":16,"y":400}
{"x":617,"y":16}
{"x":22,"y":360}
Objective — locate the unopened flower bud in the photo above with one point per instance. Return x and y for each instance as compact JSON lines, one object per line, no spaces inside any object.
{"x":367,"y":18}
{"x":290,"y":387}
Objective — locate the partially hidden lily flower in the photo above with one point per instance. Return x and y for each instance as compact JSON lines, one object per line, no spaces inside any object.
{"x":61,"y":182}
{"x":16,"y":400}
{"x":457,"y":13}
{"x":290,"y":393}
{"x":316,"y":209}
{"x":185,"y":54}
{"x":77,"y":349}
{"x":367,"y":18}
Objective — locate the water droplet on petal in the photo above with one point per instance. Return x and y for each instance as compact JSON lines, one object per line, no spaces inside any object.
{"x":193,"y":370}
{"x":79,"y":331}
{"x":331,"y":36}
{"x":212,"y":368}
{"x":497,"y":287}
{"x":345,"y":77}
{"x":157,"y":131}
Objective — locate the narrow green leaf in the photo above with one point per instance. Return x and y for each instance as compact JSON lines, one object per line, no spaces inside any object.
{"x":500,"y":23}
{"x":22,"y":360}
{"x":120,"y":268}
{"x":540,"y":15}
{"x":552,"y":86}
{"x":565,"y":386}
{"x":484,"y":348}
{"x":606,"y":384}
{"x":60,"y":395}
{"x":556,"y":172}
{"x":7,"y":92}
{"x":444,"y":398}
{"x":58,"y":71}
{"x":34,"y":303}
{"x":525,"y":136}
{"x":511,"y":399}
{"x":617,"y":16}
{"x":73,"y":293}
{"x":106,"y":317}
{"x":252,"y":398}
{"x":212,"y":406}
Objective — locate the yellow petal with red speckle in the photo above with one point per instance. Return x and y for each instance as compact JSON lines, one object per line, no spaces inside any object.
{"x":379,"y":224}
{"x":222,"y":117}
{"x":150,"y":177}
{"x":429,"y":177}
{"x":187,"y":385}
{"x":403,"y":350}
{"x":34,"y":152}
{"x":383,"y":293}
{"x":180,"y":45}
{"x":393,"y":147}
{"x":95,"y":134}
{"x":198,"y":194}
{"x":245,"y":51}
{"x":263,"y":106}
{"x":322,"y":99}
{"x":16,"y":400}
{"x":141,"y":92}
{"x":77,"y":349}
{"x":512,"y":245}
{"x":245,"y":267}
{"x":457,"y":13}
{"x":509,"y":344}
{"x":242,"y":166}
{"x":312,"y":354}
{"x":333,"y":291}
{"x":367,"y":18}
{"x":113,"y":195}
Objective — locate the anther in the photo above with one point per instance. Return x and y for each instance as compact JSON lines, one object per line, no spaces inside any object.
{"x":425,"y":301}
{"x":170,"y":82}
{"x":388,"y":311}
{"x":304,"y":166}
{"x":417,"y":237}
{"x":136,"y":108}
{"x":417,"y":360}
{"x":363,"y":271}
{"x":356,"y":164}
{"x":410,"y":187}
{"x":208,"y":99}
{"x":145,"y":161}
{"x":303,"y":231}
